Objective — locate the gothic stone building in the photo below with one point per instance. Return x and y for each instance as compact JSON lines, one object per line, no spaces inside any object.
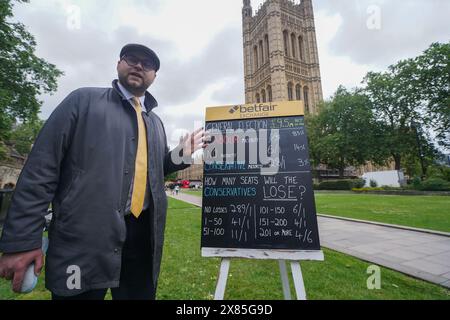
{"x":281,"y":61}
{"x":193,"y":173}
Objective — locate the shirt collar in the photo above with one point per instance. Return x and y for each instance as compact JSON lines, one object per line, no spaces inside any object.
{"x":129,"y":96}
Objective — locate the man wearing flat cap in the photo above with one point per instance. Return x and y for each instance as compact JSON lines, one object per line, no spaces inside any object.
{"x":100,"y":160}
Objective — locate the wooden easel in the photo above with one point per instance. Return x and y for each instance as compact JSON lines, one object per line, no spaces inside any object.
{"x":292,"y":256}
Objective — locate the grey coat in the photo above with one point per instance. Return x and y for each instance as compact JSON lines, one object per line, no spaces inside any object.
{"x":83,"y":163}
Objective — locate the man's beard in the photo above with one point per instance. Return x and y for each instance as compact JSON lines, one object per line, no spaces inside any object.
{"x":132,"y":87}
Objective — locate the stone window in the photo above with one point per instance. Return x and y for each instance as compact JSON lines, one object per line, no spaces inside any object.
{"x":290,"y":91}
{"x":255,"y":57}
{"x":298,"y":92}
{"x":306,"y":98}
{"x":266,"y":42}
{"x":301,"y":49}
{"x":294,"y":53}
{"x":261,"y":52}
{"x":286,"y":42}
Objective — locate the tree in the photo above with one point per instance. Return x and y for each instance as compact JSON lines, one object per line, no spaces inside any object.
{"x":171,"y":177}
{"x":433,"y":68}
{"x":23,"y":136}
{"x":409,"y":95}
{"x":344,"y":133}
{"x":416,"y":162}
{"x":23,"y":76}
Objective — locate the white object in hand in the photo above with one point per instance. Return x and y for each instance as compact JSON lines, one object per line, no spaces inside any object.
{"x":30,"y":280}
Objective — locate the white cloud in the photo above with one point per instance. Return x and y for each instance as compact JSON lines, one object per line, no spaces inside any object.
{"x":189,"y":24}
{"x":335,"y":70}
{"x":200,"y":45}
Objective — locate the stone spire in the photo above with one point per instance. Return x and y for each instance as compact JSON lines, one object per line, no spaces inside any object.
{"x":247,"y":10}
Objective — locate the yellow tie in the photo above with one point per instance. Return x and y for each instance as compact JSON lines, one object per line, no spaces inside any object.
{"x":140,"y":174}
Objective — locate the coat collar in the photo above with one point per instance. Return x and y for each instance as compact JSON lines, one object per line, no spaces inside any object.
{"x":150,"y":101}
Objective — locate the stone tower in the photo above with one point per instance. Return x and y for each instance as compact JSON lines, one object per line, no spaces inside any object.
{"x":281,"y":61}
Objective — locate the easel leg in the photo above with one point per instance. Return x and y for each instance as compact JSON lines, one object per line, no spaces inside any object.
{"x":298,"y":280}
{"x":285,"y":280}
{"x":222,"y":281}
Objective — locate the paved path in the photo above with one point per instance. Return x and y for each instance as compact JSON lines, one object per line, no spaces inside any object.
{"x":421,"y":255}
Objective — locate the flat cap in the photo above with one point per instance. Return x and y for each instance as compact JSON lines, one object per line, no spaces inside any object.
{"x":133,"y":47}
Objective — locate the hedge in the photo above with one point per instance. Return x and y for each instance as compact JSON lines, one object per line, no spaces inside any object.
{"x":435,"y":184}
{"x":341,"y":184}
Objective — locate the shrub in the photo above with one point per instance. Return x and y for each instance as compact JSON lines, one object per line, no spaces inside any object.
{"x":373,"y":184}
{"x":435,"y":184}
{"x":336,"y":185}
{"x":367,"y":189}
{"x":417,"y":183}
{"x":446,"y":173}
{"x":340,"y":184}
{"x":441,"y":172}
{"x":389,"y":188}
{"x":359,"y":183}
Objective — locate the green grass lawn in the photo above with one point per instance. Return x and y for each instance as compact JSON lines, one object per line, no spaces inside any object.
{"x":427,"y":212}
{"x":186,"y":275}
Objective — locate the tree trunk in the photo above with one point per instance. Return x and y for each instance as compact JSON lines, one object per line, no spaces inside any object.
{"x":397,"y":159}
{"x":341,"y":172}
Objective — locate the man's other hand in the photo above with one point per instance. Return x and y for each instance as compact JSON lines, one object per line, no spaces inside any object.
{"x":190,"y":143}
{"x":14,"y":265}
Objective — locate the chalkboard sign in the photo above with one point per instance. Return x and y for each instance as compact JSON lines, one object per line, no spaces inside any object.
{"x":257,"y":183}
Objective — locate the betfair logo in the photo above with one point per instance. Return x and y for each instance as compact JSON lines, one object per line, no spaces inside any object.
{"x":234,"y":109}
{"x":257,"y":108}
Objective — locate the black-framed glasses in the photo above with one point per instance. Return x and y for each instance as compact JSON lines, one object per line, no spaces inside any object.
{"x":133,"y":61}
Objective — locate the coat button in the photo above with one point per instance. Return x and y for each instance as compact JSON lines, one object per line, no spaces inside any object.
{"x":116,"y":250}
{"x":133,"y":138}
{"x":127,"y":172}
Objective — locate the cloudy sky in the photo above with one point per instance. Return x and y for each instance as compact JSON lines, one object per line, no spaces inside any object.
{"x":200,"y":45}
